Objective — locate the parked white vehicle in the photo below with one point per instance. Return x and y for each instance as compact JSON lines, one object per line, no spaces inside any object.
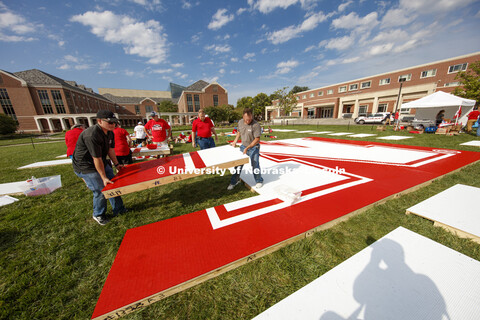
{"x":379,"y":117}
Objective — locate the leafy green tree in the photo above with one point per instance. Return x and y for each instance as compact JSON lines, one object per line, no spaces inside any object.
{"x":167,"y":106}
{"x":245,"y":102}
{"x":298,"y":89}
{"x":470,"y":81}
{"x":7,"y":124}
{"x":287,"y":101}
{"x":260,"y":101}
{"x":223,"y":113}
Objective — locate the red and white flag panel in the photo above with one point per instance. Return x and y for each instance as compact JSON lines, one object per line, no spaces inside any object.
{"x":335,"y":177}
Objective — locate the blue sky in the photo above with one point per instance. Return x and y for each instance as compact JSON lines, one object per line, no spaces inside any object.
{"x":248,"y":46}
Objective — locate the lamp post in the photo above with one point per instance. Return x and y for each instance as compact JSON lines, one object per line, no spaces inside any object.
{"x":397,"y":121}
{"x":401,"y":80}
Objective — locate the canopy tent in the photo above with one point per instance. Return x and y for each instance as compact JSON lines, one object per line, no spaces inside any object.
{"x":429,"y":106}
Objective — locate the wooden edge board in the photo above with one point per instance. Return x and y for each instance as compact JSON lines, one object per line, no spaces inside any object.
{"x":120,"y":191}
{"x":115,"y":314}
{"x":151,"y":153}
{"x":459,"y":233}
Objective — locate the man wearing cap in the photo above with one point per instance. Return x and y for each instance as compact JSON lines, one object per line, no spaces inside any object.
{"x":158,"y":130}
{"x":140,"y":134}
{"x":90,"y":163}
{"x":202,"y":129}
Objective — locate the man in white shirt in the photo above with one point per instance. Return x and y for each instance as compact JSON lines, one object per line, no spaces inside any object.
{"x":140,"y":133}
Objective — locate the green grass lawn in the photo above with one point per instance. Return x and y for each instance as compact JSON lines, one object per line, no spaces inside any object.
{"x":55,"y":257}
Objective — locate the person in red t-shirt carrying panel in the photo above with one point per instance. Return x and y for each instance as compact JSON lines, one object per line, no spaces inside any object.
{"x":158,"y":130}
{"x":202,"y":129}
{"x":71,"y":138}
{"x":122,"y":145}
{"x":472,"y":118}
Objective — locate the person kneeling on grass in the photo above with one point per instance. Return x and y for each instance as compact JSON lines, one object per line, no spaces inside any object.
{"x":250,"y":132}
{"x":90,"y":163}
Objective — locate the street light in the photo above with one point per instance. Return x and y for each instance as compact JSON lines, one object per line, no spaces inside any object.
{"x":401,"y":80}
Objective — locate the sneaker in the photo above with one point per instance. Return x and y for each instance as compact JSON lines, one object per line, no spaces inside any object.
{"x":101,"y":220}
{"x":231,"y":186}
{"x":259,"y":185}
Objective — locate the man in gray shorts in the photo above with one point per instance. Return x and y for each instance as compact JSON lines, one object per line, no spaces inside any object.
{"x":249,"y":130}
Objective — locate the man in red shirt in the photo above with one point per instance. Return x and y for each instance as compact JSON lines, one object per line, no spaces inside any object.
{"x":71,"y":138}
{"x":158,"y":129}
{"x":202,"y":129}
{"x":122,"y":145}
{"x":472,"y":118}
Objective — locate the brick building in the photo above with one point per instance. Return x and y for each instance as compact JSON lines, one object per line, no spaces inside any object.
{"x":41,"y":102}
{"x":378,"y":93}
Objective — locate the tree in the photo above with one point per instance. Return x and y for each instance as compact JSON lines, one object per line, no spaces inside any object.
{"x":259,"y":102}
{"x":245,"y":102}
{"x":223,"y":113}
{"x":287,"y":101}
{"x":7,"y":124}
{"x":470,"y":81}
{"x":298,"y":89}
{"x":167,"y":106}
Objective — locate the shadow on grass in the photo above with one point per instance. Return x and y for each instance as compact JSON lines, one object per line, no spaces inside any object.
{"x":8,"y":238}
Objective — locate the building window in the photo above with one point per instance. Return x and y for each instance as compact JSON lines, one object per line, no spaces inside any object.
{"x":407,"y":77}
{"x":457,"y":67}
{"x":330,"y":91}
{"x":196,"y":100}
{"x":215,"y":100}
{"x":58,"y":101}
{"x":312,"y":95}
{"x":404,"y":110}
{"x":7,"y":104}
{"x":366,"y":84}
{"x":189,"y":103}
{"x":382,"y":107}
{"x":452,"y":84}
{"x":428,"y":73}
{"x":215,"y":88}
{"x":362,"y":110}
{"x":384,"y":81}
{"x":342,"y":89}
{"x":353,"y":87}
{"x":304,"y":96}
{"x":45,"y":101}
{"x":148,"y":108}
{"x":320,"y":93}
{"x":137,"y":109}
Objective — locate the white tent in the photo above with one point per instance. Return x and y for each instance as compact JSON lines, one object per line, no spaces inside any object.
{"x":429,"y":106}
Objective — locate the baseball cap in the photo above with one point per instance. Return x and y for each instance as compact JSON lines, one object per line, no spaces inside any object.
{"x":107,"y":115}
{"x":153,"y":114}
{"x":139,"y":123}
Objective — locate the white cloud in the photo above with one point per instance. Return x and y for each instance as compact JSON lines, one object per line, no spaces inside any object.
{"x":310,"y":48}
{"x":286,"y":66}
{"x":340,"y":44}
{"x":14,"y":27}
{"x":145,"y":39}
{"x":82,"y":66}
{"x":234,"y":59}
{"x":218,"y":48}
{"x":219,"y":19}
{"x":353,"y":21}
{"x":189,"y":5}
{"x":478,"y":14}
{"x":161,"y":71}
{"x":308,"y":77}
{"x":429,"y":6}
{"x":149,"y":5}
{"x":241,"y":10}
{"x":290,"y":32}
{"x":234,"y":71}
{"x":71,"y":58}
{"x":64,"y":67}
{"x":249,"y":55}
{"x":221,"y":71}
{"x":344,"y":5}
{"x":267,"y":6}
{"x":177,"y":65}
{"x":381,"y":49}
{"x":397,"y":17}
{"x":196,"y":37}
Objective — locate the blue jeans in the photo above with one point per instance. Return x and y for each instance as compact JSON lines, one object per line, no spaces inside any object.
{"x":254,"y":154}
{"x":478,"y":131}
{"x":94,"y":182}
{"x":205,"y":143}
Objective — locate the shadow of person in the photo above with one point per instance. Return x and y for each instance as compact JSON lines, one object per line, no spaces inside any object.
{"x":388,"y":288}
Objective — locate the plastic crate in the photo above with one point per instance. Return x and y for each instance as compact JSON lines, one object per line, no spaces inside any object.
{"x":41,"y":186}
{"x":430,"y":129}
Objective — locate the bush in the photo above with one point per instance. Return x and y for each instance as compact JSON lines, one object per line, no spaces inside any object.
{"x":7,"y":124}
